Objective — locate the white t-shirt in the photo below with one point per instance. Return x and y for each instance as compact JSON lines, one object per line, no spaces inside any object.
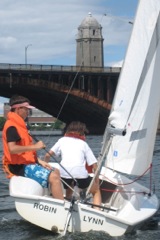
{"x":74,"y":153}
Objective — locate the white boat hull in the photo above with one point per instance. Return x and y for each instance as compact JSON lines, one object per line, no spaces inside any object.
{"x":125,"y":211}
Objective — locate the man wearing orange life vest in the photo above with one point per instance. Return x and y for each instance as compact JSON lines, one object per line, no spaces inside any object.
{"x":20,"y":156}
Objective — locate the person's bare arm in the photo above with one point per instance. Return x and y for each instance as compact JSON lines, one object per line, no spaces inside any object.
{"x":48,"y":155}
{"x":94,"y":167}
{"x":14,"y":148}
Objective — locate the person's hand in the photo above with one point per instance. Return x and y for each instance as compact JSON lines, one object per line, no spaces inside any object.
{"x":45,"y":164}
{"x":48,"y":155}
{"x":39,"y":145}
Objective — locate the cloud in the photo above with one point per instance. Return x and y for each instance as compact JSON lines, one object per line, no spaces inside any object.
{"x":51,"y":27}
{"x":117,"y":64}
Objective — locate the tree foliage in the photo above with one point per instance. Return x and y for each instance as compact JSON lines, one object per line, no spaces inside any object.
{"x":57,"y":125}
{"x":2,"y":121}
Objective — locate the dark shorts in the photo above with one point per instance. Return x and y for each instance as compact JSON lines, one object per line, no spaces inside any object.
{"x":17,"y":169}
{"x":82,"y":183}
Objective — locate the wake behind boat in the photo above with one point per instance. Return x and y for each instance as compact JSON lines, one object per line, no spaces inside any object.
{"x":127,"y":148}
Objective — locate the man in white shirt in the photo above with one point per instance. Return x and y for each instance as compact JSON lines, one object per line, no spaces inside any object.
{"x":75,"y":154}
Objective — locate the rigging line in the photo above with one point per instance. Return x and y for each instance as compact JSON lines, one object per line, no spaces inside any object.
{"x":74,"y":191}
{"x":69,"y":215}
{"x":125,"y":184}
{"x":123,"y":191}
{"x":99,"y":165}
{"x":68,"y":92}
{"x":57,"y":118}
{"x":151,"y":178}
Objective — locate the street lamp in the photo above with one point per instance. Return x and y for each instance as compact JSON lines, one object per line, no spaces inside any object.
{"x":26,"y":47}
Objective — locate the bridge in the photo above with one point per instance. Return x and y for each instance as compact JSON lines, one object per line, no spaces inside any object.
{"x":65,"y":92}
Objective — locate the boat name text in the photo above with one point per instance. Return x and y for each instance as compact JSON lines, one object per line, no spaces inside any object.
{"x":93,"y":220}
{"x":45,"y":208}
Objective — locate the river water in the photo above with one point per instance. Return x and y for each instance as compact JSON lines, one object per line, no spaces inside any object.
{"x":13,"y":227}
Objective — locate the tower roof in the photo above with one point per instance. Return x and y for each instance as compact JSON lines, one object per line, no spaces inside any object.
{"x":90,"y":21}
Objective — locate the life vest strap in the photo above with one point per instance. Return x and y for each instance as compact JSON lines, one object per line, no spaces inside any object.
{"x":6,"y":170}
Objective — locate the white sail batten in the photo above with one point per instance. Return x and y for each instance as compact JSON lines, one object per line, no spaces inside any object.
{"x":136,"y":104}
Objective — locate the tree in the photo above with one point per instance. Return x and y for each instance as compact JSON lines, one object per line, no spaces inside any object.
{"x":2,"y":121}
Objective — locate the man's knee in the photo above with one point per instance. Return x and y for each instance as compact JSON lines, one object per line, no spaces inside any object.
{"x":54,"y":176}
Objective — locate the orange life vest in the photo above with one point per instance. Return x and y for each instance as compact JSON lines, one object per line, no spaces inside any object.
{"x":19,"y":158}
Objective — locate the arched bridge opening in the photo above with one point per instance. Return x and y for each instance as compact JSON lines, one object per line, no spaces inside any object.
{"x":69,"y":94}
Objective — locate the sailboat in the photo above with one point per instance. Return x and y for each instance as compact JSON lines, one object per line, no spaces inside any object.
{"x":127,"y":148}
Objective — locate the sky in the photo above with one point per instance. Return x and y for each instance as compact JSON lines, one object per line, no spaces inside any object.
{"x":48,"y":30}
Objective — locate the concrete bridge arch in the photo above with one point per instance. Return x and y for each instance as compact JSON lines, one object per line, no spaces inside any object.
{"x":88,"y":100}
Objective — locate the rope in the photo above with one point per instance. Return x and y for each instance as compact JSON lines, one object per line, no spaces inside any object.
{"x":70,"y":188}
{"x":125,"y":184}
{"x":118,"y":191}
{"x":68,"y":93}
{"x":53,"y":128}
{"x":99,"y":165}
{"x":61,"y":108}
{"x":151,"y":179}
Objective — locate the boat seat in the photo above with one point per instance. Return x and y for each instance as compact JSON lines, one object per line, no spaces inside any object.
{"x":24,"y":186}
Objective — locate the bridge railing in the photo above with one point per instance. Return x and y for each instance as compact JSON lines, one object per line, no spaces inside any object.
{"x":35,"y":67}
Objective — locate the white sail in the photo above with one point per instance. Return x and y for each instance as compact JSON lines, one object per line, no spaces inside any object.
{"x":136,"y":104}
